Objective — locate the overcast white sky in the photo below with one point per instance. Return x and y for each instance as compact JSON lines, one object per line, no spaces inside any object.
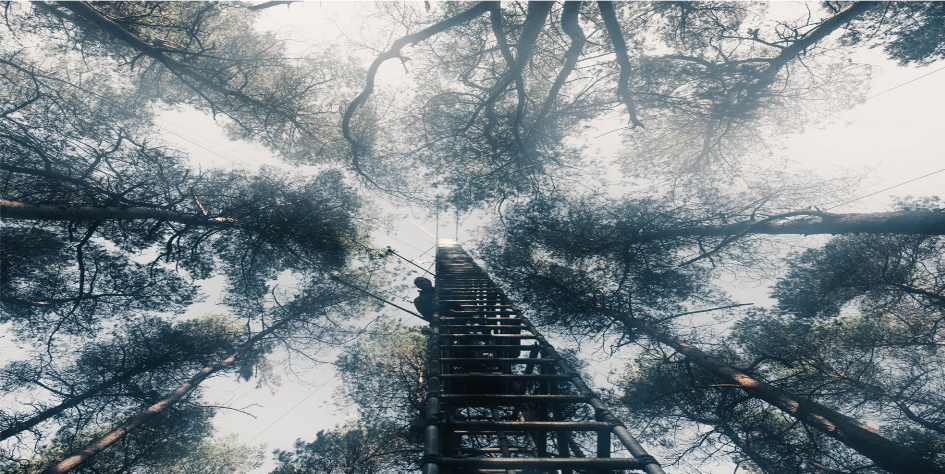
{"x":896,"y":136}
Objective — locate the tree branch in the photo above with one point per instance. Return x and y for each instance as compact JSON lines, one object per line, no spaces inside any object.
{"x":393,"y":52}
{"x":264,"y":5}
{"x":860,"y":437}
{"x":623,"y":59}
{"x":811,"y":38}
{"x":571,"y":27}
{"x":92,"y":16}
{"x":47,"y":212}
{"x":815,"y":222}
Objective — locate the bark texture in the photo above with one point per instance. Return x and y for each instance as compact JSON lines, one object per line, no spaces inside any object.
{"x":46,"y":212}
{"x":810,"y":222}
{"x":860,"y":437}
{"x":135,"y":421}
{"x":71,"y":402}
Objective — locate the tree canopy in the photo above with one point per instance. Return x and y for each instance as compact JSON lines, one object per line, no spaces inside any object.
{"x":111,"y":235}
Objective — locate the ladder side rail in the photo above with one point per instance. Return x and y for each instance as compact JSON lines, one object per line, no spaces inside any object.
{"x":619,"y":430}
{"x":482,"y":324}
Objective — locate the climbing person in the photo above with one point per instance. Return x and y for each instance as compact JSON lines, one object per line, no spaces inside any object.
{"x":424,"y":302}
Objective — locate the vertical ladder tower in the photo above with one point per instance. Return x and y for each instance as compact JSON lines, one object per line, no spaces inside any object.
{"x":500,"y":398}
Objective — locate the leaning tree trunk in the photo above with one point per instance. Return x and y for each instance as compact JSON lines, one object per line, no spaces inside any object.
{"x":862,"y":438}
{"x":71,"y":402}
{"x":812,"y":222}
{"x":48,"y":212}
{"x":135,"y":421}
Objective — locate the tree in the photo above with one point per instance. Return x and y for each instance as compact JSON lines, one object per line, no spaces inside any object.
{"x":171,"y":434}
{"x":909,"y":32}
{"x":884,"y":270}
{"x":877,"y":366}
{"x":218,"y":455}
{"x":81,"y":171}
{"x":490,"y":103}
{"x":382,"y":374}
{"x":81,"y":166}
{"x":140,"y":359}
{"x":352,"y":448}
{"x":564,"y":263}
{"x":77,"y":144}
{"x":883,"y":364}
{"x":204,"y":56}
{"x":101,"y":218}
{"x":862,"y":438}
{"x":671,"y":402}
{"x":51,"y":288}
{"x":267,"y":224}
{"x":291,"y":318}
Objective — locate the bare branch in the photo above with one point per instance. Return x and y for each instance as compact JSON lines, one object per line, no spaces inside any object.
{"x":265,"y":5}
{"x":92,"y":16}
{"x":623,"y":59}
{"x":570,"y":25}
{"x":393,"y":52}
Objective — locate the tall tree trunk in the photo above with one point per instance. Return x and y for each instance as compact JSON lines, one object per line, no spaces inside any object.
{"x":55,"y":176}
{"x":71,"y":402}
{"x":812,"y":222}
{"x":862,"y":438}
{"x":161,"y":406}
{"x":46,"y":212}
{"x":571,"y":27}
{"x":821,"y":31}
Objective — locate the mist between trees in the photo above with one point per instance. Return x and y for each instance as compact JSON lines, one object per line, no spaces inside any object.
{"x":108,"y":231}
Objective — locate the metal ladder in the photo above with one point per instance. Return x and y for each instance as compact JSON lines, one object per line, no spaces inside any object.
{"x":500,"y":398}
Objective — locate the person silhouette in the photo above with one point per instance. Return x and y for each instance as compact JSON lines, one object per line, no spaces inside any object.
{"x":424,"y":301}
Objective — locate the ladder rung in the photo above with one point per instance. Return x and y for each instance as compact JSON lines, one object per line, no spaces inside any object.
{"x":475,"y":293}
{"x":503,"y":347}
{"x":493,"y":426}
{"x":543,"y":463}
{"x":487,"y":336}
{"x":505,"y":377}
{"x":493,"y":399}
{"x":474,"y":299}
{"x":494,"y":360}
{"x":479,"y":318}
{"x":491,"y":306}
{"x":482,"y":326}
{"x":511,"y":449}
